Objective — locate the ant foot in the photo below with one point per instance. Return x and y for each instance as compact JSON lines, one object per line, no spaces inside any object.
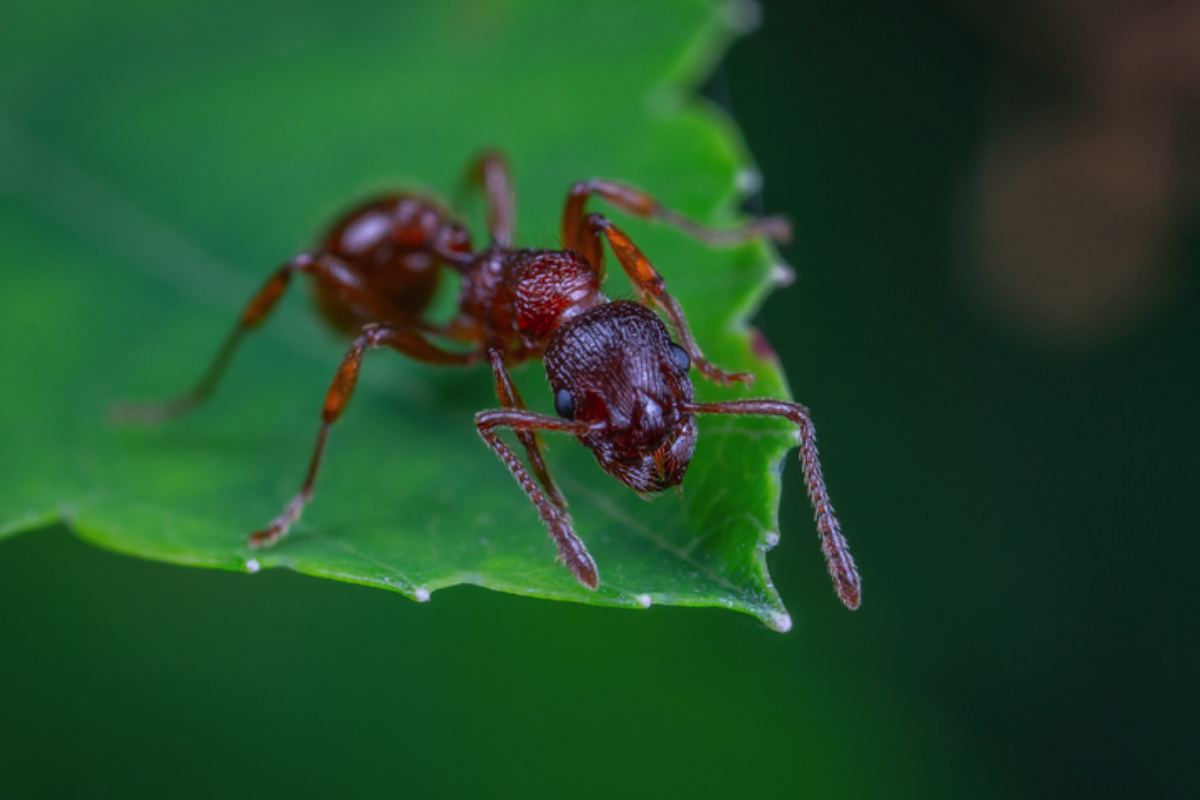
{"x":778,"y":229}
{"x":556,"y":497}
{"x":718,"y":375}
{"x":584,"y":570}
{"x":574,"y":554}
{"x":744,"y":378}
{"x":267,"y":537}
{"x":279,"y":526}
{"x":147,"y":414}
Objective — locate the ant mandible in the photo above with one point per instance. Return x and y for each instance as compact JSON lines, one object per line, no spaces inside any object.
{"x":621,"y":384}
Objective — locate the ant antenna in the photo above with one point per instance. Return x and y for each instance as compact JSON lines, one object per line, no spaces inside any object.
{"x":846,"y":581}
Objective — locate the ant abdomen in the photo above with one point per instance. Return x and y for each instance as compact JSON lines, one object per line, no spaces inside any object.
{"x":386,"y":270}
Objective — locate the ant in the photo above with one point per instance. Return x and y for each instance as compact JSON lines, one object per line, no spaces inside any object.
{"x":621,"y":384}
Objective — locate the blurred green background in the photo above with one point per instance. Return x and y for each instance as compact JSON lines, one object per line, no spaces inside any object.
{"x":996,"y":321}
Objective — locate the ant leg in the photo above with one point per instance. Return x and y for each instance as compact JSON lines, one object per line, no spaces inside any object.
{"x":837,"y":553}
{"x":636,"y":202}
{"x":653,"y":290}
{"x":570,"y":548}
{"x":406,"y":340}
{"x":489,"y":171}
{"x":510,"y":397}
{"x":253,"y":315}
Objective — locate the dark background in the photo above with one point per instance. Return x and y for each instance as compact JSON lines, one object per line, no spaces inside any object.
{"x":995,"y":320}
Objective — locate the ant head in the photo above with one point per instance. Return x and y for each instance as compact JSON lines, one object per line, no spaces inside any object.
{"x":616,"y":366}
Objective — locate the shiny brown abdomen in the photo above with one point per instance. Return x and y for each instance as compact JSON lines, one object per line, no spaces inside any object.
{"x":383,"y":244}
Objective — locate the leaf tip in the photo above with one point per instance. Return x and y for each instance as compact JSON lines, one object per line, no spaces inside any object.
{"x":780,"y":621}
{"x":251,"y":565}
{"x":420,"y":594}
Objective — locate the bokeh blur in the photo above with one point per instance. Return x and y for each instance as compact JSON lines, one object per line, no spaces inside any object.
{"x":996,"y":321}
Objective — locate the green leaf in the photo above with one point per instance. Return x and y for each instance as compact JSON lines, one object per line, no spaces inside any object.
{"x":158,"y":161}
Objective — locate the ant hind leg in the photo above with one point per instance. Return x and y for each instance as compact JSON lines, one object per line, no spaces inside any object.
{"x":253,"y":315}
{"x":407,"y":340}
{"x":489,"y":171}
{"x":634,"y":201}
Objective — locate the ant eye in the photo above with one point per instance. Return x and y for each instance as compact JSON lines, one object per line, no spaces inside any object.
{"x":680,"y":358}
{"x":564,"y":404}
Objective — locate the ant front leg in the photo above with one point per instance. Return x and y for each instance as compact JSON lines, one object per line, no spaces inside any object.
{"x":634,"y":201}
{"x":837,"y":553}
{"x":489,"y":171}
{"x":653,"y":290}
{"x":510,"y":397}
{"x":253,"y":315}
{"x":570,"y":548}
{"x":406,"y":340}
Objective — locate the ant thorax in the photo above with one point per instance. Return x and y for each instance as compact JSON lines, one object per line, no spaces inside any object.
{"x":549,"y":288}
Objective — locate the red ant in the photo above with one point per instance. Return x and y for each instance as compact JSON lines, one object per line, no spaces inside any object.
{"x":620,"y":383}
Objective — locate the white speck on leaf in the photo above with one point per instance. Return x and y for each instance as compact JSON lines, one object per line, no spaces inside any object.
{"x":742,"y":16}
{"x":749,"y":181}
{"x":782,"y":274}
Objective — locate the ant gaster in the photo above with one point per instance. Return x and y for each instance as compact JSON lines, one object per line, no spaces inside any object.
{"x":621,"y":385}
